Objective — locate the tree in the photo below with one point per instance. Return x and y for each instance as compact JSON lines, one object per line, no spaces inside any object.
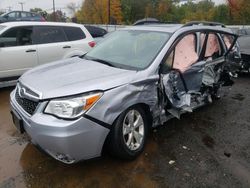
{"x":221,"y":14}
{"x":240,"y":11}
{"x":96,"y":11}
{"x":116,"y":11}
{"x":129,"y":11}
{"x":39,"y":11}
{"x":72,"y":7}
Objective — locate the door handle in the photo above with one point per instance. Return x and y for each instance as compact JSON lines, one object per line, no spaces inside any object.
{"x":66,"y":47}
{"x":31,"y":50}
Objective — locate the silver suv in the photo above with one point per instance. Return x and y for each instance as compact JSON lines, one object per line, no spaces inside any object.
{"x":135,"y":79}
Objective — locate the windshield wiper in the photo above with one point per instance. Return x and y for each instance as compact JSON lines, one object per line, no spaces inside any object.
{"x":100,"y":61}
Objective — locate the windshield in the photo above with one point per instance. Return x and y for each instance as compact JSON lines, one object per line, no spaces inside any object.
{"x":3,"y":14}
{"x":129,"y":49}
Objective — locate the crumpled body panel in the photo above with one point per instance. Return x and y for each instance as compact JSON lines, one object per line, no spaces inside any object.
{"x":117,"y":100}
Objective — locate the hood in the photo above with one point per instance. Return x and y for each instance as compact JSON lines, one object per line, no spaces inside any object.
{"x":74,"y":76}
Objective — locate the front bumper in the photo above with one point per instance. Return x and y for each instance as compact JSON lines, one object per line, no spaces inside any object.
{"x":66,"y":141}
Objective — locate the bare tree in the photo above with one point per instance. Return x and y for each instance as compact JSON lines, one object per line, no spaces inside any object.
{"x":72,"y":7}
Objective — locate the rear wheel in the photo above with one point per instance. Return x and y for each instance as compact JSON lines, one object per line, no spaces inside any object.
{"x":129,"y":134}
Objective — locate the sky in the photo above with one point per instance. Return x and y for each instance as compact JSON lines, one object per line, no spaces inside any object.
{"x":43,"y":4}
{"x":47,"y":4}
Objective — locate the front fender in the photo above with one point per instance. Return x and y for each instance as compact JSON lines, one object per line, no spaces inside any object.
{"x":117,"y":100}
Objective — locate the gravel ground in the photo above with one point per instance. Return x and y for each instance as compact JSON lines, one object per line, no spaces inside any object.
{"x":207,"y":148}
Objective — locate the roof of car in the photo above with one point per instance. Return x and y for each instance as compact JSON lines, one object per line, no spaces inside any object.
{"x":12,"y":24}
{"x":171,"y":28}
{"x":19,"y":11}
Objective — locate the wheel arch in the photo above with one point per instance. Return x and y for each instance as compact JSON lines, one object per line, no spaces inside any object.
{"x":145,"y":107}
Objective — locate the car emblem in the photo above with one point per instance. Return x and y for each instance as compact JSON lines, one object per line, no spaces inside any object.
{"x":22,"y":92}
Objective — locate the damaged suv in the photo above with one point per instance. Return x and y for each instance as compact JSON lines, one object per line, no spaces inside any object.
{"x":135,"y":79}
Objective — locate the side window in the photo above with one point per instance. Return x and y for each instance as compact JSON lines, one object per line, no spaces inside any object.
{"x":213,"y":47}
{"x":46,"y":35}
{"x":228,"y":40}
{"x":23,"y":14}
{"x":202,"y":37}
{"x":12,"y":15}
{"x":185,"y":53}
{"x":168,"y":63}
{"x":9,"y":38}
{"x":28,"y":14}
{"x":74,"y":33}
{"x":20,"y":36}
{"x":18,"y":14}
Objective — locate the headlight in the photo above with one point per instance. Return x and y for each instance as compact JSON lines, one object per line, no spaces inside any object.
{"x":72,"y":107}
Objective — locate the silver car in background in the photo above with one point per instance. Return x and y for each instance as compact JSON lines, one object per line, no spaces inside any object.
{"x":135,"y":79}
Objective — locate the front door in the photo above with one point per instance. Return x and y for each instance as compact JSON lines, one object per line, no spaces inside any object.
{"x":17,"y":52}
{"x":194,"y":63}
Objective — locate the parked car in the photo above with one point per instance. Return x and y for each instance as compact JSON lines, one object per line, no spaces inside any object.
{"x":147,"y":21}
{"x":135,"y":79}
{"x":243,"y":31}
{"x":244,"y":43}
{"x":24,"y":45}
{"x":21,"y":16}
{"x":96,"y":31}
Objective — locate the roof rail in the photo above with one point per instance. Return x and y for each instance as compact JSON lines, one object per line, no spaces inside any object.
{"x":203,"y":23}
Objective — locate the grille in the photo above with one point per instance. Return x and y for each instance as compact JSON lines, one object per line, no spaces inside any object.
{"x":28,"y":105}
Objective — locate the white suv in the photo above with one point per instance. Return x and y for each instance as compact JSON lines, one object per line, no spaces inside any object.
{"x":24,"y":45}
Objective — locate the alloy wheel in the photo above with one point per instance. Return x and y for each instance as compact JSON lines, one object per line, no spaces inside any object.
{"x":133,"y":130}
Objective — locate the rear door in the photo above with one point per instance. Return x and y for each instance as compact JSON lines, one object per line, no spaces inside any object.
{"x":52,"y":43}
{"x":79,"y":40}
{"x":17,"y":51}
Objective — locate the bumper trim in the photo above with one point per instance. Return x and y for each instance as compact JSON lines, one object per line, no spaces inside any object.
{"x":106,"y":125}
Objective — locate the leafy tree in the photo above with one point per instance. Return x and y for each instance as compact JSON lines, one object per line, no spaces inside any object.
{"x":39,"y":11}
{"x":129,"y":11}
{"x":96,"y":11}
{"x":221,"y":14}
{"x":240,"y":11}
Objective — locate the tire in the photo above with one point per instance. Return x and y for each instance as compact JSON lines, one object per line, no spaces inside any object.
{"x":126,"y":141}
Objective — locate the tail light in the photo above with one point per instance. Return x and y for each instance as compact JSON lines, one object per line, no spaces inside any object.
{"x":92,"y":44}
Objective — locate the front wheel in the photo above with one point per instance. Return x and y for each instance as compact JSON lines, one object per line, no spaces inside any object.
{"x":129,"y":133}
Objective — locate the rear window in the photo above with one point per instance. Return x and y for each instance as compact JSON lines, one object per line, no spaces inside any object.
{"x":49,"y":34}
{"x":74,"y":33}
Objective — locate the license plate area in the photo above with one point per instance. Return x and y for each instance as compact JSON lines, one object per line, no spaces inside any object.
{"x":18,"y":122}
